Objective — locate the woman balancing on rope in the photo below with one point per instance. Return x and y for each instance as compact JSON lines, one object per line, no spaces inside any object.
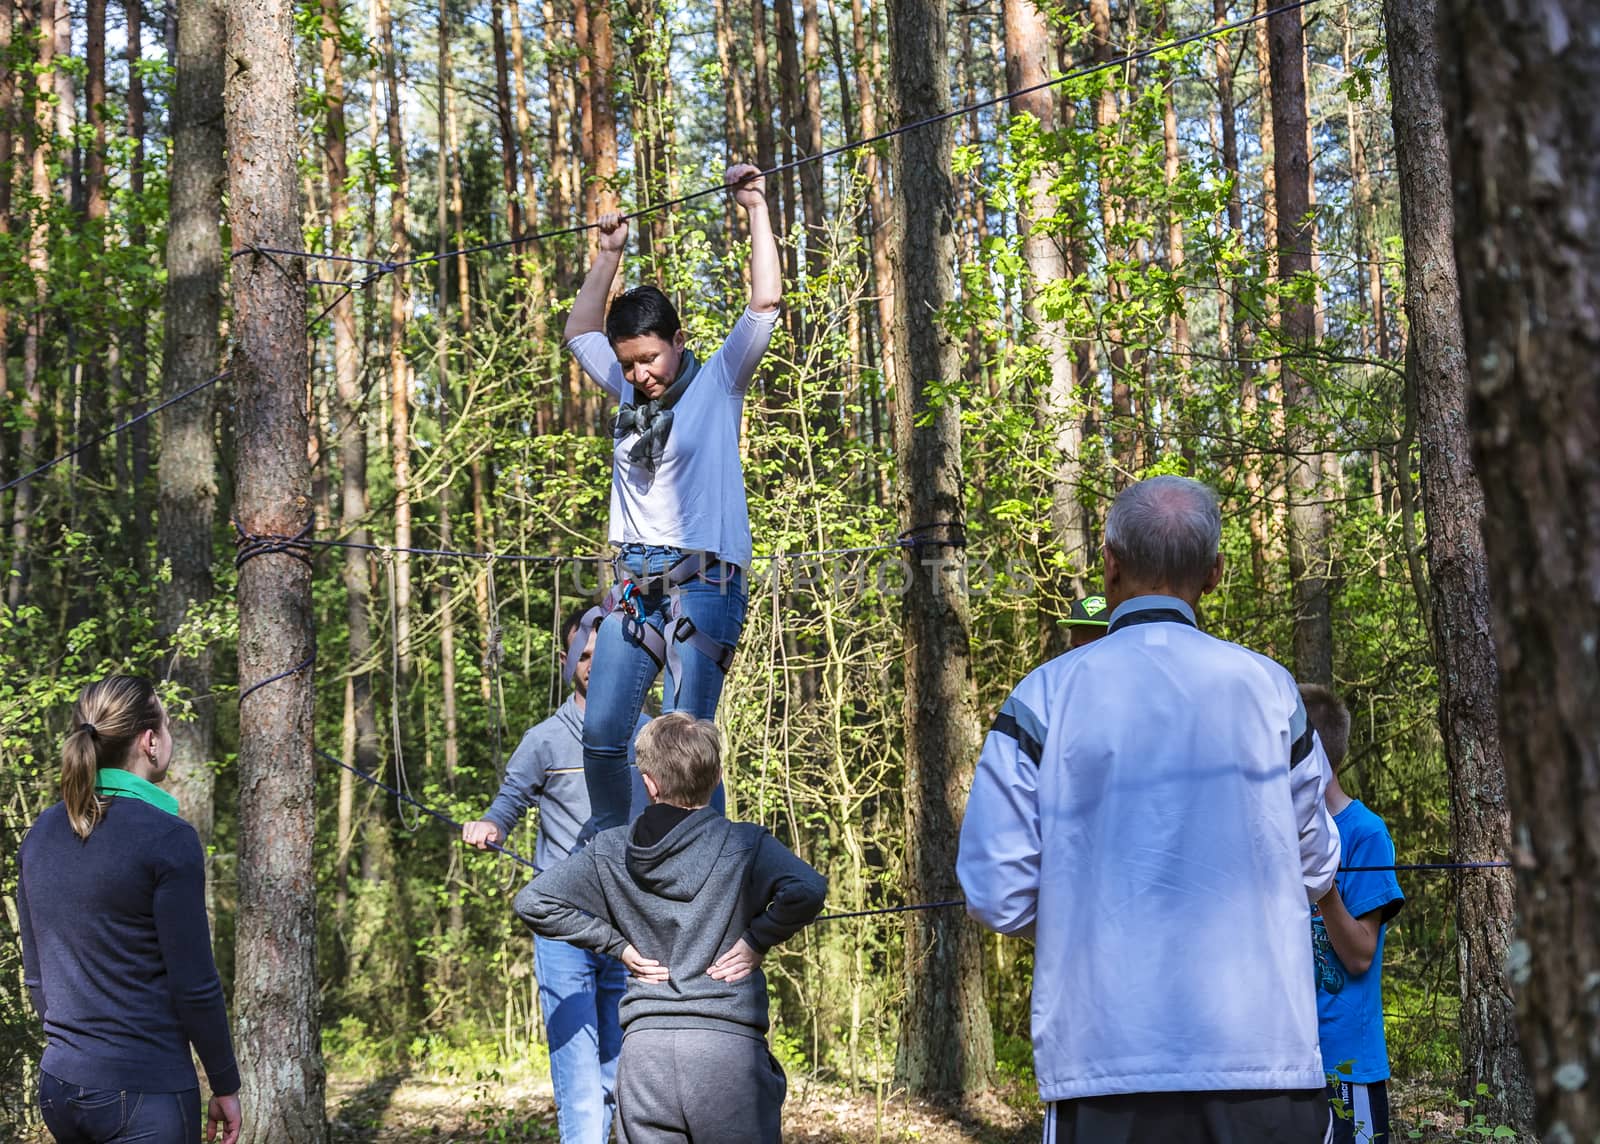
{"x":678,"y":512}
{"x":115,"y":950}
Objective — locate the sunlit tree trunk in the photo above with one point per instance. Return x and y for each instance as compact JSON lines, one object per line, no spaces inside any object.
{"x":1521,"y":82}
{"x":1309,"y":543}
{"x":862,"y":30}
{"x":810,"y":129}
{"x":40,"y":147}
{"x":8,"y":112}
{"x":136,"y":337}
{"x":355,"y":564}
{"x":1058,"y":410}
{"x":1106,"y":117}
{"x":399,"y":366}
{"x":946,"y":1044}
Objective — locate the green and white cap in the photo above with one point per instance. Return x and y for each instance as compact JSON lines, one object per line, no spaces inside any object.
{"x":1089,"y":612}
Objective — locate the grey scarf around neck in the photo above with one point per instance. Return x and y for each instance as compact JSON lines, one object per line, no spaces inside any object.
{"x":652,"y":420}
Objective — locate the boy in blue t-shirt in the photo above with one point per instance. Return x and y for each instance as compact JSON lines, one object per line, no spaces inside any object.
{"x":1347,"y":928}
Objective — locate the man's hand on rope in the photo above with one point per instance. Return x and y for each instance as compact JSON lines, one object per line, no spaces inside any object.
{"x":642,"y":967}
{"x":737,"y":964}
{"x":613,"y":232}
{"x":481,"y":833}
{"x":746,"y":194}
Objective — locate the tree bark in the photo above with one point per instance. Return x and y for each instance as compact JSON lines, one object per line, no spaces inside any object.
{"x":863,"y":29}
{"x":187,"y":474}
{"x":1520,"y":84}
{"x":1058,"y":410}
{"x":1106,"y":116}
{"x":40,"y":147}
{"x":136,"y":337}
{"x":946,"y":1044}
{"x":356,"y":565}
{"x":8,"y":111}
{"x":1309,"y":543}
{"x":1463,"y":642}
{"x":399,"y":366}
{"x":810,"y":129}
{"x":275,"y":990}
{"x":761,"y":87}
{"x":93,"y":395}
{"x":505,"y":117}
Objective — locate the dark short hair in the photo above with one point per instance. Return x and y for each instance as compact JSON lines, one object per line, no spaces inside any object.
{"x":642,"y":310}
{"x":1330,"y":718}
{"x":574,"y":618}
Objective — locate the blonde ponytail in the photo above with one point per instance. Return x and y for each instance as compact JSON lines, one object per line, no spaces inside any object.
{"x":107,"y":718}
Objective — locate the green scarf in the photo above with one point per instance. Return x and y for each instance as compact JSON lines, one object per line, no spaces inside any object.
{"x":118,"y":783}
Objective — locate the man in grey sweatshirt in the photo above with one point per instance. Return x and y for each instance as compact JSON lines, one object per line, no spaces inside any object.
{"x":691,"y":903}
{"x":579,"y":991}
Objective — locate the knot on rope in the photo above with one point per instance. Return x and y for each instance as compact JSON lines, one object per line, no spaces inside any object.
{"x":250,"y":544}
{"x":917,"y":536}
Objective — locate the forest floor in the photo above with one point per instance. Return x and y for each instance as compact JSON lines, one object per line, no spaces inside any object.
{"x":410,"y":1107}
{"x":402,"y":1108}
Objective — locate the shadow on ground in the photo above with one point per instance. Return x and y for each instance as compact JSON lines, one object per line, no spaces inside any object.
{"x":358,"y":1118}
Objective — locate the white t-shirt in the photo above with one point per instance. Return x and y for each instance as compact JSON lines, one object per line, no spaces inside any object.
{"x":694,"y":499}
{"x":1150,"y":808}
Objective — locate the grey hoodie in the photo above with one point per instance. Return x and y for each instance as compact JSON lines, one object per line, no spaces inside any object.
{"x":684,"y":901}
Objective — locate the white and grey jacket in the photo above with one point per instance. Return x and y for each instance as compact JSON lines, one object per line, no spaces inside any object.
{"x":1149,"y":809}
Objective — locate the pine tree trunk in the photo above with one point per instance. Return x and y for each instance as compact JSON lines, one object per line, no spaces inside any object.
{"x":399,"y":366}
{"x":810,"y":127}
{"x":40,"y":147}
{"x":94,"y":398}
{"x":946,"y":1045}
{"x":1309,"y":543}
{"x":1106,"y":117}
{"x":505,"y":118}
{"x":8,"y":111}
{"x":276,"y":1001}
{"x":1520,"y":84}
{"x":1027,"y":54}
{"x":766,"y":144}
{"x":863,"y":29}
{"x":187,"y":474}
{"x":528,"y":198}
{"x":136,"y":337}
{"x":356,"y":565}
{"x":735,"y":101}
{"x":1463,"y":645}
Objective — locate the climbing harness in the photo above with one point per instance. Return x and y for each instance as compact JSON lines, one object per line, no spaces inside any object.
{"x":664,"y":643}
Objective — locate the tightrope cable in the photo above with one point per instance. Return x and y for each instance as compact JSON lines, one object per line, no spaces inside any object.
{"x":382,"y":267}
{"x":948,"y":903}
{"x":114,"y":430}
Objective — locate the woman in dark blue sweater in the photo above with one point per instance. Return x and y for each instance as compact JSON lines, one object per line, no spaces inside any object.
{"x":115,"y":947}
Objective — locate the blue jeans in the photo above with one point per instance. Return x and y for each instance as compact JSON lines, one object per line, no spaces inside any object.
{"x":579,"y":992}
{"x":78,"y":1115}
{"x":623,"y":671}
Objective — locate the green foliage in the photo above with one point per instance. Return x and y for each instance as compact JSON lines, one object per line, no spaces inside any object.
{"x":420,"y":960}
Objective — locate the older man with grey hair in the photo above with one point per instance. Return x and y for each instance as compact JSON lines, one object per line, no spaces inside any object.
{"x":1149,"y":809}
